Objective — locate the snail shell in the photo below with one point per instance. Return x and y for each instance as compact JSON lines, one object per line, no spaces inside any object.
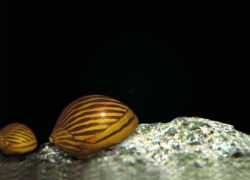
{"x":91,"y":124}
{"x":17,"y":138}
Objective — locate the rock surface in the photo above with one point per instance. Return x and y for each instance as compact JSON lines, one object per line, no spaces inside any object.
{"x":186,"y":148}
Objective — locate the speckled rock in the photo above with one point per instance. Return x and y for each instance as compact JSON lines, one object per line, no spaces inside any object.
{"x":185,"y":148}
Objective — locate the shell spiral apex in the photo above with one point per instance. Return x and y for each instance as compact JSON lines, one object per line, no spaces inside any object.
{"x":17,"y":138}
{"x":91,"y":124}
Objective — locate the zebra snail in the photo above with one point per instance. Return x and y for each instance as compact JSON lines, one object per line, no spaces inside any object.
{"x":91,"y":124}
{"x":17,"y":138}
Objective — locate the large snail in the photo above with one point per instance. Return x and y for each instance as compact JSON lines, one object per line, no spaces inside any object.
{"x":17,"y":138}
{"x":91,"y":124}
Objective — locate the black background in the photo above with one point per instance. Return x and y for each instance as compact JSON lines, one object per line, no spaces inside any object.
{"x":163,"y":60}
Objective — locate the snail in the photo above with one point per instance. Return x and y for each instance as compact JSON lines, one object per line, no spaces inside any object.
{"x":91,"y":124}
{"x":17,"y":138}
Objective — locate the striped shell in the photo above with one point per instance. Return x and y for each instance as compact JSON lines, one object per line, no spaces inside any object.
{"x":17,"y":138}
{"x":91,"y":124}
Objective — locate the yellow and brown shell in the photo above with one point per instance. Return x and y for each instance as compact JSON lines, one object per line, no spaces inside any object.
{"x":17,"y":138}
{"x":91,"y":124}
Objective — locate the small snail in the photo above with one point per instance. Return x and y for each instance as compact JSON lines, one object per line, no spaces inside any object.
{"x":17,"y":138}
{"x":91,"y":124}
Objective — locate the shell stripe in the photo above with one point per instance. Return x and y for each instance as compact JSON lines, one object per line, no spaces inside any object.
{"x":82,"y":127}
{"x":118,"y":131}
{"x":2,"y":142}
{"x":67,"y":146}
{"x":96,"y":113}
{"x":66,"y":116}
{"x":93,"y":126}
{"x":21,"y":134}
{"x":84,"y":122}
{"x":90,"y":100}
{"x":90,"y":110}
{"x":93,"y":121}
{"x":67,"y":142}
{"x":24,"y":146}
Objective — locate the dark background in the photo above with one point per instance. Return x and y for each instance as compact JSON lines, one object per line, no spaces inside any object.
{"x":163,"y":60}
